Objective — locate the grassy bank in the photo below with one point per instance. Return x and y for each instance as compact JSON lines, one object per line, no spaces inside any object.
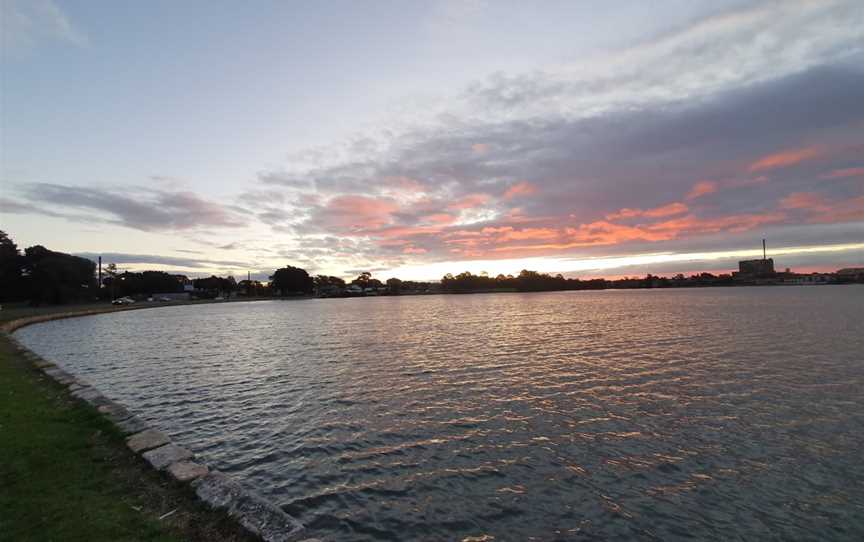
{"x":66,"y":474}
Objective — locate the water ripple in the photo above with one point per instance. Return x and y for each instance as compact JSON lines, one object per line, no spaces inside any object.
{"x":655,"y":415}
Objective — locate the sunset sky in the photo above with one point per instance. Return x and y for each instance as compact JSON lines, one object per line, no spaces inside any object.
{"x":413,"y":139}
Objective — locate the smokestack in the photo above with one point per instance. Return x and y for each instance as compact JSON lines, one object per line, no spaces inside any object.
{"x":764,"y":253}
{"x":99,"y":287}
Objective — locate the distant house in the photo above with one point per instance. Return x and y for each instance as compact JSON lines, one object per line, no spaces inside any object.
{"x":810,"y":279}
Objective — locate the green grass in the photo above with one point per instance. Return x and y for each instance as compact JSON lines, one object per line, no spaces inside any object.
{"x":66,"y":475}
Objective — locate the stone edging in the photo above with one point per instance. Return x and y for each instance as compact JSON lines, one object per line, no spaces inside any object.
{"x":218,"y":490}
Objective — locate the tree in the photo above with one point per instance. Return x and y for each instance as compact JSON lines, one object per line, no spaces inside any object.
{"x":394,"y":285}
{"x":111,"y":279}
{"x":229,"y":285}
{"x":58,"y":278}
{"x":251,"y":288}
{"x":363,"y":280}
{"x":12,"y":283}
{"x":324,"y":281}
{"x":291,"y":279}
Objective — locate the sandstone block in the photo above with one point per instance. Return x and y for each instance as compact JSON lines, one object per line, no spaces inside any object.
{"x":218,"y":490}
{"x":132,"y":425}
{"x":186,"y":471}
{"x":164,"y":456}
{"x":256,"y":514}
{"x":90,"y":395}
{"x":114,"y":411}
{"x":147,"y":440}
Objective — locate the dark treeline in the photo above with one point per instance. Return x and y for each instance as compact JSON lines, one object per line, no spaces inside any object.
{"x":43,"y":276}
{"x":532,"y":281}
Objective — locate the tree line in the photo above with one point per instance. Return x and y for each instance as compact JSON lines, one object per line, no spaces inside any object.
{"x":43,"y":276}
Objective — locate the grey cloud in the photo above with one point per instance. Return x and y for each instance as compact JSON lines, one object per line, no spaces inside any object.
{"x":753,"y":43}
{"x":147,"y":210}
{"x":124,"y":258}
{"x":16,"y":207}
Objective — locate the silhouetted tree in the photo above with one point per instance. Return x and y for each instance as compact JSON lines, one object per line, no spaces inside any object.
{"x":58,"y":278}
{"x":291,"y":279}
{"x":365,"y":280}
{"x":251,"y":288}
{"x":394,"y":286}
{"x":324,"y":281}
{"x":12,"y":281}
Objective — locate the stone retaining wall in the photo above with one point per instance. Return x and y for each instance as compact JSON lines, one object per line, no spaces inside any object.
{"x":218,"y":490}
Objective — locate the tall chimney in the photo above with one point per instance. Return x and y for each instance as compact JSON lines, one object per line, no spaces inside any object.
{"x":99,"y":286}
{"x":764,"y":254}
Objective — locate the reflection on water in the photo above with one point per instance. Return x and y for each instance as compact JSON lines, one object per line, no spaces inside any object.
{"x":711,"y":413}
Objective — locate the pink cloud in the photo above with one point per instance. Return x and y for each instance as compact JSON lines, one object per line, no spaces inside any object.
{"x":845,"y":173}
{"x":819,"y":209}
{"x":404,"y":184}
{"x":520,"y":189}
{"x":471,"y":201}
{"x":352,"y":213}
{"x":786,"y":158}
{"x":804,"y":200}
{"x":702,"y":188}
{"x":439,"y":218}
{"x":480,"y":148}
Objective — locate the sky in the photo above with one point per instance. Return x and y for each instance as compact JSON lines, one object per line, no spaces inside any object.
{"x":413,"y":139}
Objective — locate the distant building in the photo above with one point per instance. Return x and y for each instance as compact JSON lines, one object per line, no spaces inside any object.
{"x":811,"y":278}
{"x":757,"y":268}
{"x":850,"y":274}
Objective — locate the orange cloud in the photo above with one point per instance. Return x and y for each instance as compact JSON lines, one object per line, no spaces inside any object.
{"x":702,"y":188}
{"x":470,"y":202}
{"x":608,"y":233}
{"x":480,"y":148}
{"x":786,"y":158}
{"x":520,"y":189}
{"x":670,"y":209}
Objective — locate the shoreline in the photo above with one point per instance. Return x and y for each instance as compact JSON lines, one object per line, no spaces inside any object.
{"x":217,"y":492}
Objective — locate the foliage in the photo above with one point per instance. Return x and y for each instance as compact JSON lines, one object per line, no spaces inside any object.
{"x":323,"y":282}
{"x":394,"y":286}
{"x":214,"y":286}
{"x":252,"y":288}
{"x":55,"y":277}
{"x":291,"y":280}
{"x":365,"y":280}
{"x":143,"y":283}
{"x":12,"y":281}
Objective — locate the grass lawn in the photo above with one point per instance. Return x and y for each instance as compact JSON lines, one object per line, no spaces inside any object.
{"x":66,"y":475}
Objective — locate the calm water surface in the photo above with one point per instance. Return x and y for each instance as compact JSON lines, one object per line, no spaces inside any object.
{"x":710,"y":413}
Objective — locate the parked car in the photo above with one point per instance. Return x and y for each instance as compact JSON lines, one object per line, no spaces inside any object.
{"x":123,"y":301}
